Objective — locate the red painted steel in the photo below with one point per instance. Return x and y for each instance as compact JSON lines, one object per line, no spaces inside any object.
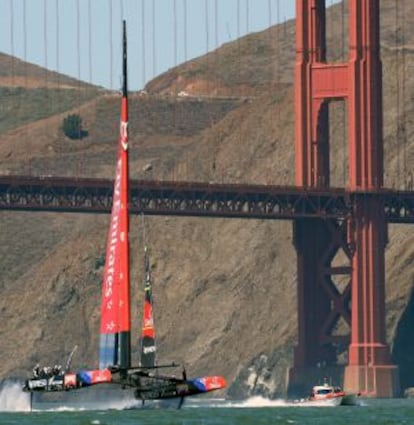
{"x":359,"y":82}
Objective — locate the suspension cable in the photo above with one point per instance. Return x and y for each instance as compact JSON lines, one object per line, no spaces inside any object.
{"x":175,"y":32}
{"x":12,"y":39}
{"x":397,"y":92}
{"x":144,"y":78}
{"x":403,"y":91}
{"x":45,"y":39}
{"x":343,"y":104}
{"x":110,"y":47}
{"x":90,"y":40}
{"x":154,"y":63}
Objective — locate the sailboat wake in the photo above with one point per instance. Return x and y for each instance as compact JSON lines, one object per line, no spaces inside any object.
{"x":12,"y":398}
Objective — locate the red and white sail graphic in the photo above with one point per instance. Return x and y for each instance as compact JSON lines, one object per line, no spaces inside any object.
{"x":115,"y":310}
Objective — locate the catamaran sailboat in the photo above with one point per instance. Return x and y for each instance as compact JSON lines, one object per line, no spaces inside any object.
{"x":116,"y":379}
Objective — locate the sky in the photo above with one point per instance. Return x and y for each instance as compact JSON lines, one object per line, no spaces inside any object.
{"x":83,"y":38}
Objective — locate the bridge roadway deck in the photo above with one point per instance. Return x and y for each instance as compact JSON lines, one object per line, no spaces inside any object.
{"x":90,"y":195}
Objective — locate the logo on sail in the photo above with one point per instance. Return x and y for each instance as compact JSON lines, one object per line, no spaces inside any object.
{"x":123,"y":132}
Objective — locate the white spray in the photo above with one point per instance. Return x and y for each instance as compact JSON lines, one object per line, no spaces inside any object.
{"x":12,"y":397}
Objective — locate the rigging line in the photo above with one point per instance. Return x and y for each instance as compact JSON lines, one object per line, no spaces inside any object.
{"x":144,"y":233}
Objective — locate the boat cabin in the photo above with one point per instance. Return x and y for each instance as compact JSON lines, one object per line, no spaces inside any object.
{"x":320,"y":392}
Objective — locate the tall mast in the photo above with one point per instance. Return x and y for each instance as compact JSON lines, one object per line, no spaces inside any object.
{"x":125,"y":334}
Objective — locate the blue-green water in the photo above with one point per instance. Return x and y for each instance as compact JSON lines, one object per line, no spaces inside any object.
{"x":14,"y":410}
{"x":379,"y":412}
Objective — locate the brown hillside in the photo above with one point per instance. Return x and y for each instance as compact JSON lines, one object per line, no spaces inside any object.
{"x":17,"y":73}
{"x":225,"y":290}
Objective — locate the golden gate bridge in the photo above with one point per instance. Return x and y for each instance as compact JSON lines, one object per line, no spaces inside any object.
{"x":326,"y":219}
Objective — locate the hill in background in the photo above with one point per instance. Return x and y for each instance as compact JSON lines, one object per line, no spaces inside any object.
{"x":225,"y":290}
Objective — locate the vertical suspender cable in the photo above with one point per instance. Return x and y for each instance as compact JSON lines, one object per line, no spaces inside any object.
{"x":12,"y":39}
{"x":247,"y":17}
{"x":111,"y":86}
{"x":144,"y":78}
{"x":206,"y":25}
{"x":278,"y":38}
{"x":185,"y":30}
{"x":176,"y":88}
{"x":78,"y":48}
{"x":154,"y":62}
{"x":25,"y":67}
{"x":185,"y":59}
{"x":58,"y":93}
{"x":403,"y":91}
{"x":25,"y":42}
{"x":398,"y":88}
{"x":207,"y":44}
{"x":46,"y":94}
{"x":57,"y":50}
{"x":175,"y":32}
{"x":344,"y":142}
{"x":90,"y":40}
{"x":216,"y":55}
{"x":238,"y":45}
{"x":45,"y":39}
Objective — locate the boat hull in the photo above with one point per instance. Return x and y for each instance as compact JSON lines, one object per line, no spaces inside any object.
{"x":97,"y":397}
{"x":341,"y":400}
{"x":349,"y":400}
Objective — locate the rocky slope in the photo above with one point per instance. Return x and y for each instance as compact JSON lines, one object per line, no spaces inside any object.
{"x":225,"y":290}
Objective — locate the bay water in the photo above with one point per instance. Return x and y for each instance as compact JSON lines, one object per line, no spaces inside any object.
{"x":15,"y":410}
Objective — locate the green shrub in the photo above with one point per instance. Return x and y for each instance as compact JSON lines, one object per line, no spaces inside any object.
{"x":72,"y":127}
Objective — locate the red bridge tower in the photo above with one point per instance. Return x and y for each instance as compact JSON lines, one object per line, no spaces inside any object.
{"x":363,"y":237}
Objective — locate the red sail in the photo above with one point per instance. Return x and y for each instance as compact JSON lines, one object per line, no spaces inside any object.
{"x":115,"y":312}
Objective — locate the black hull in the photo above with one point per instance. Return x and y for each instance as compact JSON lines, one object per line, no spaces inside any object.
{"x":97,"y":397}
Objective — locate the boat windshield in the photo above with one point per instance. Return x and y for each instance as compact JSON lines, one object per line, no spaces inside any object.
{"x":324,"y":391}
